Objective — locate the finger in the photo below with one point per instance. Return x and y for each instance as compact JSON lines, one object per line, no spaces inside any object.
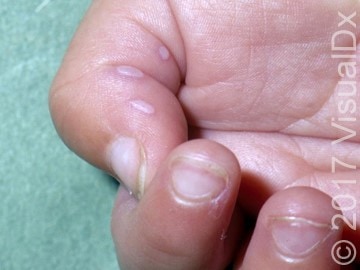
{"x":294,"y":231}
{"x":113,"y":99}
{"x":184,"y":220}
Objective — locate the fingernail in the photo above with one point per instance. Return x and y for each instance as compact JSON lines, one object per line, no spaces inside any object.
{"x":130,"y":71}
{"x":127,"y":160}
{"x":298,"y":237}
{"x":197,"y":179}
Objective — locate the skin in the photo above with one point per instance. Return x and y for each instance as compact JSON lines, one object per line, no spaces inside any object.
{"x":255,"y":82}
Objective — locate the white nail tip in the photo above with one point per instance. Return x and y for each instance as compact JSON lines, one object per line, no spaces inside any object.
{"x":130,"y":71}
{"x":142,"y":106}
{"x":125,"y":160}
{"x":164,"y":53}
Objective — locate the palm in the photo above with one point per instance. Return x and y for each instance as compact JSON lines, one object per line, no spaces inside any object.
{"x":263,"y":83}
{"x":259,"y":78}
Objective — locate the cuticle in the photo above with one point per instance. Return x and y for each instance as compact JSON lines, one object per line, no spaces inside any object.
{"x":299,"y":219}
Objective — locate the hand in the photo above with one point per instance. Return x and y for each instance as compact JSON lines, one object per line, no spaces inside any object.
{"x":257,"y":77}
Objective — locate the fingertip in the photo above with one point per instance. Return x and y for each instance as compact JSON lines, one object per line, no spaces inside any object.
{"x":119,"y":80}
{"x":186,"y":212}
{"x":298,"y":228}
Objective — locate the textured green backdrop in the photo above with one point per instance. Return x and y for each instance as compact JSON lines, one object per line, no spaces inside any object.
{"x":55,"y":209}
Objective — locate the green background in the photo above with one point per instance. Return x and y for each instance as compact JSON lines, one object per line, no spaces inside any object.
{"x":55,"y":208}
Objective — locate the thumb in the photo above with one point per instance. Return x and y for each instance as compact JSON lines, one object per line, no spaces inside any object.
{"x":186,"y":218}
{"x":113,"y":101}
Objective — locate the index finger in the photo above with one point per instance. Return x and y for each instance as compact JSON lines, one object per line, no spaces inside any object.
{"x":113,"y":101}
